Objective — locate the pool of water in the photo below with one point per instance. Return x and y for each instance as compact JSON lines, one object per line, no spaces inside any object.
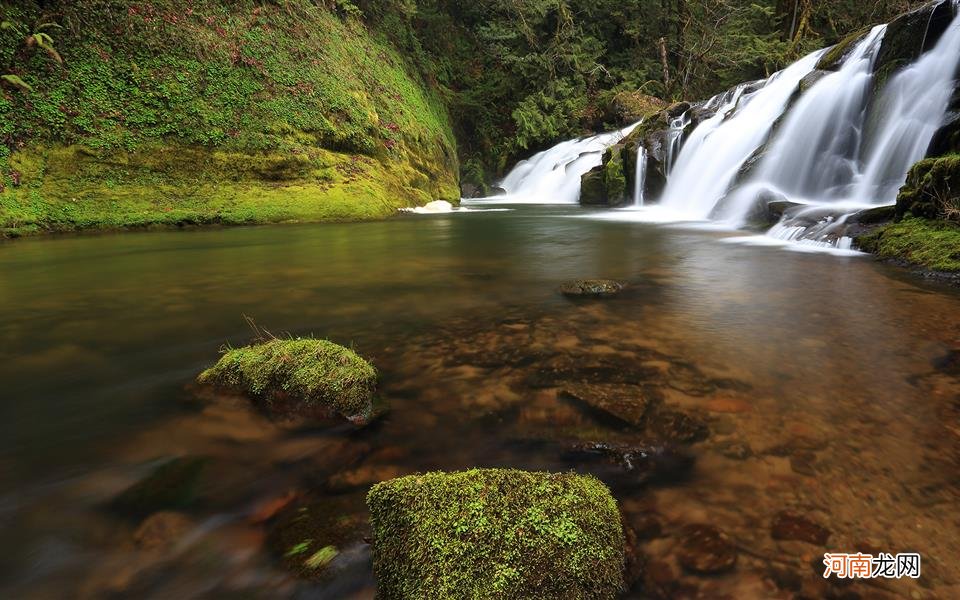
{"x":829,"y":386}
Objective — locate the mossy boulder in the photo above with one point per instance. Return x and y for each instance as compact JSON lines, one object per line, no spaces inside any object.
{"x":592,"y":288}
{"x":632,"y":106}
{"x":299,"y":377}
{"x":932,"y":189}
{"x":496,"y":533}
{"x":606,"y":185}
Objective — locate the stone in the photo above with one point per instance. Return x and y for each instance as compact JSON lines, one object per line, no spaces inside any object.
{"x":496,"y":533}
{"x":592,"y":288}
{"x":162,"y":529}
{"x":705,"y":550}
{"x":171,"y":485}
{"x":677,"y":426}
{"x":791,"y":526}
{"x":614,"y":404}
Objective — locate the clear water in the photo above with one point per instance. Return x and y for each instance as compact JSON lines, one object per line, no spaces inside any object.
{"x":845,"y":390}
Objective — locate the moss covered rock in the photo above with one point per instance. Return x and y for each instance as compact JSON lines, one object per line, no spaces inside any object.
{"x":299,"y":377}
{"x":933,"y":245}
{"x":909,"y":35}
{"x":932,"y":190}
{"x":606,"y":185}
{"x":495,"y":533}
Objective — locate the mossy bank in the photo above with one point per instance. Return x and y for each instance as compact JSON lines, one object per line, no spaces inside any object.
{"x":242,"y":112}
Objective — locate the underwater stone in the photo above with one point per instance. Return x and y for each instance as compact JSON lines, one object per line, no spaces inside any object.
{"x":706,"y":550}
{"x":171,"y":485}
{"x":496,"y":533}
{"x":596,"y":288}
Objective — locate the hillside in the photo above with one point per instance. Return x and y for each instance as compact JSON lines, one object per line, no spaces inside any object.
{"x":153,"y":113}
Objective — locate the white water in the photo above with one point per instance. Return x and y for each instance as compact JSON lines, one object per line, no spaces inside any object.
{"x":553,"y":176}
{"x":639,"y":177}
{"x":711,"y":157}
{"x":815,"y":152}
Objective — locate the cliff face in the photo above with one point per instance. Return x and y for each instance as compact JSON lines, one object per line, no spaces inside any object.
{"x":165,"y":112}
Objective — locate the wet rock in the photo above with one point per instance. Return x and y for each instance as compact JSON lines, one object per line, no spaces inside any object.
{"x":635,"y":561}
{"x":689,"y":380}
{"x":803,"y":463}
{"x":162,"y":529}
{"x":592,"y":369}
{"x":269,"y":508}
{"x":634,"y":464}
{"x":616,"y":405}
{"x":791,"y":526}
{"x":172,"y":485}
{"x":705,"y":550}
{"x":736,"y":450}
{"x":646,"y":525}
{"x":677,"y":426}
{"x":812,"y":79}
{"x":592,"y":288}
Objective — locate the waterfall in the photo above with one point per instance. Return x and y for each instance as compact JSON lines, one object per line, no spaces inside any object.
{"x":553,"y":176}
{"x":814,"y":153}
{"x":849,"y":165}
{"x":640,"y":176}
{"x":716,"y":150}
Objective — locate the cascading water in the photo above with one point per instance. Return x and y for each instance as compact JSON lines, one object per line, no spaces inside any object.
{"x":906,"y":114}
{"x":815,"y":152}
{"x":553,"y":176}
{"x":714,"y":152}
{"x":639,"y":177}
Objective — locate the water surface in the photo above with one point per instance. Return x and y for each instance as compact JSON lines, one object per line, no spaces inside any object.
{"x":829,"y":384}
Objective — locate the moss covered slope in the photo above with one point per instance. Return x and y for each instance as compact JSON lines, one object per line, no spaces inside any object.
{"x":494,"y":533}
{"x":239,"y":112}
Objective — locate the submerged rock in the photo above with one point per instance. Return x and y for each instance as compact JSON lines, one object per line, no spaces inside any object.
{"x":615,"y":404}
{"x":592,"y":288}
{"x":162,"y":529}
{"x":677,"y":426}
{"x":172,"y":485}
{"x":705,"y":550}
{"x":635,"y":464}
{"x":299,"y":377}
{"x":311,"y":539}
{"x":790,"y":526}
{"x":494,"y":533}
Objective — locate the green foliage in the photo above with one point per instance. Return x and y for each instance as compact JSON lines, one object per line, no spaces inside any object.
{"x":929,"y":244}
{"x":312,"y":373}
{"x":492,"y":533}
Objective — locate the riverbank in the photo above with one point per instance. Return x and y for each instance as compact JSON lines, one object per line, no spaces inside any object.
{"x":228,"y":114}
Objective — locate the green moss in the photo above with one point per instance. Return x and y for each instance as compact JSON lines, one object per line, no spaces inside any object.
{"x":299,"y":376}
{"x":494,"y":533}
{"x":932,"y":189}
{"x":277,"y":112}
{"x":833,"y":59}
{"x":930,"y":244}
{"x":614,"y":179}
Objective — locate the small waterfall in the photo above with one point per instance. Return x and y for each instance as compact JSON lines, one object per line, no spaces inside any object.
{"x":553,"y":176}
{"x":640,"y":176}
{"x":716,"y":150}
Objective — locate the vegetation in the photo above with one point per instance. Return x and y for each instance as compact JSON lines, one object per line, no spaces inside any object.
{"x":299,"y":376}
{"x":493,"y":533}
{"x":930,"y":244}
{"x":160,"y":114}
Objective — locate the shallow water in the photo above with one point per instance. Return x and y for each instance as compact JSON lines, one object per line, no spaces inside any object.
{"x":830,"y":385}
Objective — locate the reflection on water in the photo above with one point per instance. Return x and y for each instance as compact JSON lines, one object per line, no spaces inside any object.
{"x":829,"y":386}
